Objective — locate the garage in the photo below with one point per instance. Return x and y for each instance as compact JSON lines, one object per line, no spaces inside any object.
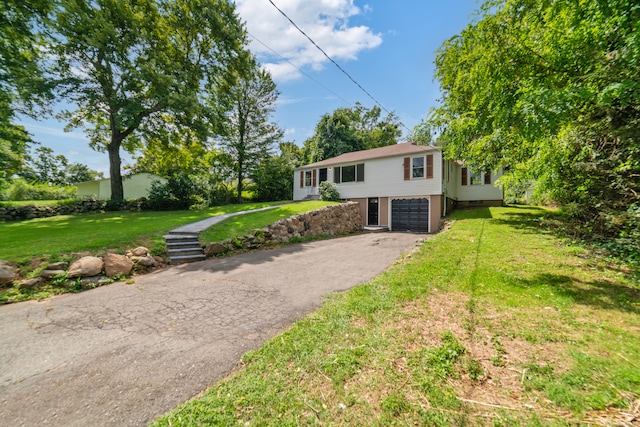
{"x":410,"y":215}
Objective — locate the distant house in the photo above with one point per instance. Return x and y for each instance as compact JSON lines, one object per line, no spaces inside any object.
{"x":135,"y":186}
{"x":404,"y":187}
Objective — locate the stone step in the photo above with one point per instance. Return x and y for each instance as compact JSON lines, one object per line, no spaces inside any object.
{"x":182,"y":244}
{"x":184,"y":251}
{"x":176,"y":238}
{"x":186,"y":258}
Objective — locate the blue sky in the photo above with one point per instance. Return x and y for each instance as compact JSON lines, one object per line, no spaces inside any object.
{"x":386,"y":46}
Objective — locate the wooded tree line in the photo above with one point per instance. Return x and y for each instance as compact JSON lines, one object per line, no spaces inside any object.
{"x":169,"y":81}
{"x":550,"y":90}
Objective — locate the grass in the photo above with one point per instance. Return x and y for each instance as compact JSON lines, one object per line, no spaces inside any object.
{"x":32,"y":244}
{"x":98,"y":231}
{"x":492,"y":322}
{"x":243,"y":224}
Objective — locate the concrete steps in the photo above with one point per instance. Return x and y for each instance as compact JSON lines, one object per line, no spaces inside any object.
{"x":183,"y":248}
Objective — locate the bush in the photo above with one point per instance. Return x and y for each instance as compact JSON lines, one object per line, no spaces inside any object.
{"x":179,"y":192}
{"x":329,"y":192}
{"x":19,"y":189}
{"x":273,"y":181}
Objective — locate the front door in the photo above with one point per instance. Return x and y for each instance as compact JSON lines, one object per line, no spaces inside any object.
{"x":372,"y":211}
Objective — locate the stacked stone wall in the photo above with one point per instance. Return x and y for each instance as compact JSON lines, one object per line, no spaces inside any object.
{"x":330,"y":220}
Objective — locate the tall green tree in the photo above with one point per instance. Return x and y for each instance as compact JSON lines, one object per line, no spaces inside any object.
{"x":272,"y":178}
{"x":552,"y":90}
{"x":124,"y":63}
{"x":249,"y":137}
{"x":351,"y":129}
{"x":43,"y":166}
{"x":22,"y":85}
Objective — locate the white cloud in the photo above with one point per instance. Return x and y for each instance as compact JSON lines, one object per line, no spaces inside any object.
{"x":325,"y":21}
{"x":54,"y":131}
{"x":289,"y":131}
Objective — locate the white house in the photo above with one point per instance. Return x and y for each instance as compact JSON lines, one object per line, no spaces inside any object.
{"x":404,"y":187}
{"x":134,"y":186}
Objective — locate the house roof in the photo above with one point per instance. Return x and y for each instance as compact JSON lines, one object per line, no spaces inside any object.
{"x":374,"y":153}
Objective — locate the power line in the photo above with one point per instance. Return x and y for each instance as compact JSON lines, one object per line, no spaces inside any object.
{"x":297,"y":68}
{"x":334,"y":62}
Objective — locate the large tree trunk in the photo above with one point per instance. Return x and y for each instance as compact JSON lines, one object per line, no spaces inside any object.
{"x":117,"y":192}
{"x":240,"y":177}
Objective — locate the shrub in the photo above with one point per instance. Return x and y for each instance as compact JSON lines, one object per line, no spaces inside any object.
{"x":179,"y":192}
{"x":329,"y":192}
{"x":19,"y":189}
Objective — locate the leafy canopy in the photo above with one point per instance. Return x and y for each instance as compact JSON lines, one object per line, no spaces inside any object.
{"x":125,"y":63}
{"x":550,"y":90}
{"x":351,"y":129}
{"x":248,"y":136}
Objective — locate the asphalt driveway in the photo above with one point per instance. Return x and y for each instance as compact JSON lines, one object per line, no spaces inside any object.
{"x":123,"y":354}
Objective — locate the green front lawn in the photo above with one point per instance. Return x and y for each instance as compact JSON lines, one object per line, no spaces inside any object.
{"x":492,"y":322}
{"x":97,"y":232}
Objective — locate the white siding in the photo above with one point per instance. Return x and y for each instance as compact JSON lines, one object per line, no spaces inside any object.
{"x":385,"y":177}
{"x":134,"y":186}
{"x":477,"y":192}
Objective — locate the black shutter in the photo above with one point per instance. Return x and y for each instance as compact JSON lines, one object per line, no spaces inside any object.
{"x":360,"y":172}
{"x":336,"y":175}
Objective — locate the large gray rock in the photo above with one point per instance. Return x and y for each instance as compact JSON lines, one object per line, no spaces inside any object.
{"x":8,"y":273}
{"x":58,"y":266}
{"x":214,"y":249}
{"x":50,"y":274}
{"x":30,"y":283}
{"x":115,"y":264}
{"x":86,"y":267}
{"x":145,"y":261}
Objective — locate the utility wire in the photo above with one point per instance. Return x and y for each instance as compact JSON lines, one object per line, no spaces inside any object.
{"x":334,"y":62}
{"x":297,"y":68}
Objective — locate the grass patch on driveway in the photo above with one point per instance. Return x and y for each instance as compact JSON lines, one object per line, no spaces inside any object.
{"x":492,"y":322}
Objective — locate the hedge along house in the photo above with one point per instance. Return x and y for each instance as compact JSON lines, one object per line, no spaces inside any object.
{"x":134,"y":186}
{"x":404,"y":187}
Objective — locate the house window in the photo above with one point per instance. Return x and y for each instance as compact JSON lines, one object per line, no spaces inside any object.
{"x":417,"y":167}
{"x":349,"y":173}
{"x":352,"y":173}
{"x":307,"y":179}
{"x":323,"y":175}
{"x":476,"y":178}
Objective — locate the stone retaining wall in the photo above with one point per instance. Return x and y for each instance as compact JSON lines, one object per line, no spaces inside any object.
{"x":327,"y":221}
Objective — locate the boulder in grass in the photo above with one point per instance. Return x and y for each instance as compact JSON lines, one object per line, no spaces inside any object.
{"x":58,"y":266}
{"x":215,"y":249}
{"x":140,"y":251}
{"x":86,"y":267}
{"x":145,"y":261}
{"x":8,"y":273}
{"x":115,"y":264}
{"x":50,"y":274}
{"x":30,"y":283}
